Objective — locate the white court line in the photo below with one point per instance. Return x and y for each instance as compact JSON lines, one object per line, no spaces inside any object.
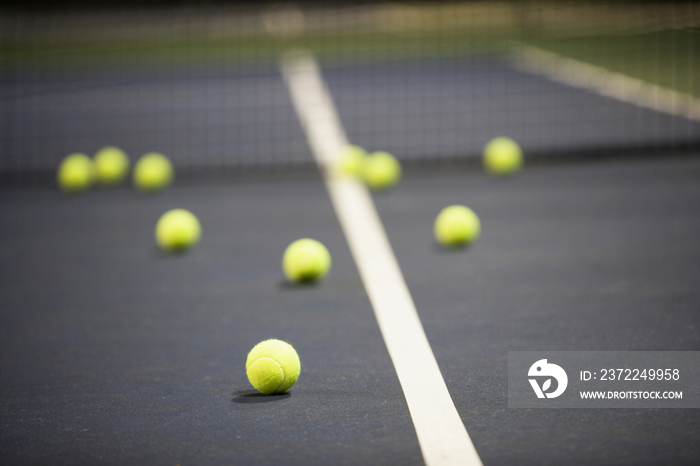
{"x":608,"y":83}
{"x":443,"y":439}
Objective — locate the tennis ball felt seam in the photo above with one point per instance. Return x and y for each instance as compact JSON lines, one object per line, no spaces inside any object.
{"x":284,"y":375}
{"x":262,"y":366}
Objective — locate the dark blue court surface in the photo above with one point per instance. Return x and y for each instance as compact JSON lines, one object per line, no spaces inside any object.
{"x":201,"y":118}
{"x":584,"y":258}
{"x":113,"y":353}
{"x":451,"y":109}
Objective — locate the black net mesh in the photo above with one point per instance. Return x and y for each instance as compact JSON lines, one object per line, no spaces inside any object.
{"x":426,"y":81}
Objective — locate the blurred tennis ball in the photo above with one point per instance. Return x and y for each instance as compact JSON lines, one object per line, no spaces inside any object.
{"x":306,"y":260}
{"x":351,"y":160}
{"x":111,"y":166}
{"x":381,"y":170}
{"x":75,"y":173}
{"x":178,"y":230}
{"x":456,"y":225}
{"x":152,"y":173}
{"x":502,"y":156}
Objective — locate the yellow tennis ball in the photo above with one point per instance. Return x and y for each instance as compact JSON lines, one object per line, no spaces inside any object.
{"x":351,"y":160}
{"x":178,"y":230}
{"x":381,"y":170}
{"x":153,"y":172}
{"x":502,"y":156}
{"x":75,"y":173}
{"x":111,"y":166}
{"x":456,"y":225}
{"x":306,"y":260}
{"x":273,"y":366}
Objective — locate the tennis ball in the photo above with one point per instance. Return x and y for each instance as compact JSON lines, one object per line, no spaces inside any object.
{"x":75,"y":173}
{"x":306,"y":260}
{"x":111,"y":166}
{"x":502,"y":156}
{"x":351,"y":160}
{"x":456,"y":225}
{"x":153,"y":172}
{"x":381,"y":170}
{"x":177,"y":230}
{"x":273,"y":366}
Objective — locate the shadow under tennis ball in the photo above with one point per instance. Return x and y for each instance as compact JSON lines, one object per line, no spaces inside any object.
{"x":159,"y":253}
{"x":302,"y":285}
{"x":440,"y":249}
{"x":254,"y":396}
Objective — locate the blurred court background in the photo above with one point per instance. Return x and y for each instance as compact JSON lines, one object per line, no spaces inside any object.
{"x":430,"y":82}
{"x":111,"y":353}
